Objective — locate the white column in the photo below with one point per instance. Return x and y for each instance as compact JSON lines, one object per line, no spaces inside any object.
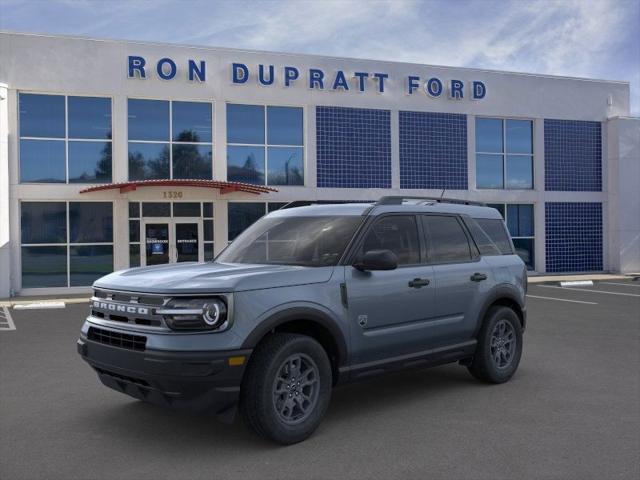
{"x":120,"y":154}
{"x":311,"y":162}
{"x":219,"y":143}
{"x":5,"y":243}
{"x":540,"y":250}
{"x":220,"y":225}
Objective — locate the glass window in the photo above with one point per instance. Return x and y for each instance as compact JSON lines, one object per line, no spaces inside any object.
{"x":208,"y":252}
{"x":134,"y":255}
{"x":89,"y":162}
{"x":483,"y":241}
{"x":208,"y":230}
{"x":134,"y":210}
{"x":520,"y":220}
{"x":497,"y":206}
{"x":519,"y":172}
{"x":245,"y":124}
{"x":148,"y":161}
{"x":285,"y":166}
{"x":447,"y":242}
{"x":504,"y":153}
{"x":494,"y":228}
{"x":245,"y":164}
{"x":191,"y":209}
{"x":192,"y":161}
{"x":489,"y":135}
{"x":207,"y":209}
{"x":89,"y":117}
{"x":524,"y":249}
{"x":309,"y":241}
{"x":242,"y":215}
{"x":88,"y":263}
{"x":134,"y":230}
{"x":273,"y":206}
{"x":519,"y":136}
{"x":43,"y":222}
{"x":284,"y":126}
{"x":156,"y":209}
{"x":44,"y":267}
{"x":90,"y":222}
{"x":148,"y":120}
{"x":42,"y":115}
{"x":191,"y":122}
{"x":489,"y":171}
{"x":42,"y":161}
{"x":398,"y":233}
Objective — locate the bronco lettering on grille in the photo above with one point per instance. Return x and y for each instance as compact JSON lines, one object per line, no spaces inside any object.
{"x":114,"y":307}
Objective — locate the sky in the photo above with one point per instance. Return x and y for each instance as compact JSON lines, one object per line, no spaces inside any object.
{"x":579,"y":38}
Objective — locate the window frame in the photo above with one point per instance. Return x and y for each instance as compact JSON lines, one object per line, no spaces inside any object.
{"x":504,"y":154}
{"x":66,"y":139}
{"x":170,"y":142}
{"x":67,"y":243}
{"x":266,"y":145}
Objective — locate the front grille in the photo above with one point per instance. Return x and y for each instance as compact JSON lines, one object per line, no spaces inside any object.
{"x":131,"y":308}
{"x":117,"y":339}
{"x":117,"y":376}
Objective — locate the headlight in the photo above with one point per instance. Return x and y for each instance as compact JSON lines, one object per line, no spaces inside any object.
{"x":195,"y":314}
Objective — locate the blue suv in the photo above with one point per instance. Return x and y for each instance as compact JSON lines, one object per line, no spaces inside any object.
{"x":307,"y":298}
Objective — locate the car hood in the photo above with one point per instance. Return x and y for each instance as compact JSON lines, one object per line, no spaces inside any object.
{"x":211,"y":277}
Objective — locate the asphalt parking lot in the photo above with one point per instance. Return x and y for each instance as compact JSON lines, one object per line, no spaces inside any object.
{"x":571,"y":411}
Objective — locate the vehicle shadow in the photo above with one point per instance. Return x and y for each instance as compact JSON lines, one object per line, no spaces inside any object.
{"x":150,"y":425}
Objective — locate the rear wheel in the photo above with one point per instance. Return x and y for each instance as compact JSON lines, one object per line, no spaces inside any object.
{"x":499,"y":346}
{"x":287,"y":388}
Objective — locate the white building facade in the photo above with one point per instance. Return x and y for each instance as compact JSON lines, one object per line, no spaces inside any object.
{"x":116,"y":154}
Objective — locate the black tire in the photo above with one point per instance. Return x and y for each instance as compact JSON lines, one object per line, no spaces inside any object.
{"x":262,"y":403}
{"x":496,"y":360}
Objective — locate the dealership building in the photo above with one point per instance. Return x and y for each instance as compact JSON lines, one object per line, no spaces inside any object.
{"x":116,"y":154}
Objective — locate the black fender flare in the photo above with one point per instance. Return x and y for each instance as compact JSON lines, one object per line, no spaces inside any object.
{"x":309,"y":314}
{"x":503,"y":291}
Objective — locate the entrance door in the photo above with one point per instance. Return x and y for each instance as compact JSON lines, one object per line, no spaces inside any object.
{"x":169,"y":240}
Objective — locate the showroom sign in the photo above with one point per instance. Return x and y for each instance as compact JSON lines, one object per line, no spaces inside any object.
{"x":313,"y":78}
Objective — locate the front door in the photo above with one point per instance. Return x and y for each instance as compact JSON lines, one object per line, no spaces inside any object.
{"x":168,"y":240}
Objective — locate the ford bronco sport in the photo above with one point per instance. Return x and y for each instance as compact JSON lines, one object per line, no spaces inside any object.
{"x":310,"y":297}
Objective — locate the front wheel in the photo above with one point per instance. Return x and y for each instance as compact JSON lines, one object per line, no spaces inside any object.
{"x":499,"y":346}
{"x":287,"y":388}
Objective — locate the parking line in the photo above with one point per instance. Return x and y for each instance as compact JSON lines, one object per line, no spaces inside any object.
{"x":590,"y":290}
{"x":622,"y":284}
{"x":6,"y":322}
{"x":562,"y":299}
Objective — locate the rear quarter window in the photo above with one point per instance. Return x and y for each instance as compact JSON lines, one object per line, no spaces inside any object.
{"x":496,"y":231}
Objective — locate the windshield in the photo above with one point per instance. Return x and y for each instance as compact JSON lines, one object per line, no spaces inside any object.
{"x":307,"y":241}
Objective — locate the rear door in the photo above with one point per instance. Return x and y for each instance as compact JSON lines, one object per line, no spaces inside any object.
{"x":461,"y":277}
{"x":389,"y":311}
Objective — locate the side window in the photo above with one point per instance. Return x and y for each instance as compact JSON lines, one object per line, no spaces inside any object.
{"x":496,"y":231}
{"x":398,"y":233}
{"x":447,"y":242}
{"x":483,"y":241}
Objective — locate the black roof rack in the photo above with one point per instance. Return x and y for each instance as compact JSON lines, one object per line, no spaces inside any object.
{"x":398,"y":200}
{"x":305,"y":203}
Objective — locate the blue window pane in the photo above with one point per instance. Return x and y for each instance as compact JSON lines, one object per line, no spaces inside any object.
{"x":134,"y":210}
{"x":489,"y":171}
{"x":284,"y":126}
{"x":208,"y":230}
{"x":134,"y":230}
{"x":245,"y":124}
{"x":89,"y":162}
{"x":519,"y":136}
{"x":90,"y":222}
{"x":524,"y":249}
{"x":519,"y":171}
{"x":192,"y":161}
{"x":41,"y":115}
{"x":44,"y":267}
{"x":207,"y":210}
{"x":242,"y":215}
{"x":286,"y":166}
{"x":44,"y":222}
{"x":42,"y":161}
{"x":148,"y":161}
{"x":520,"y":220}
{"x":134,"y":255}
{"x":89,"y":117}
{"x":148,"y":120}
{"x":191,"y":121}
{"x":245,"y":164}
{"x":88,"y":263}
{"x":489,"y":135}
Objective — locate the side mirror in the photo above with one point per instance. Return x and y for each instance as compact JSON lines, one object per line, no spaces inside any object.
{"x":377,"y":260}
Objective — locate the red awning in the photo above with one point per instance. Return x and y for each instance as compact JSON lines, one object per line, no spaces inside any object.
{"x":224,"y":187}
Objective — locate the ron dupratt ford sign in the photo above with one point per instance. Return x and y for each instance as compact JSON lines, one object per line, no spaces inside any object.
{"x":314,"y":78}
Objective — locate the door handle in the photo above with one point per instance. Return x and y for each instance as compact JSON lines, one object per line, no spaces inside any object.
{"x":478,"y":277}
{"x":419,"y":282}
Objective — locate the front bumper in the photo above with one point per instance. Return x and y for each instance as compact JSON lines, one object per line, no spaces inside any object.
{"x":194,"y":381}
